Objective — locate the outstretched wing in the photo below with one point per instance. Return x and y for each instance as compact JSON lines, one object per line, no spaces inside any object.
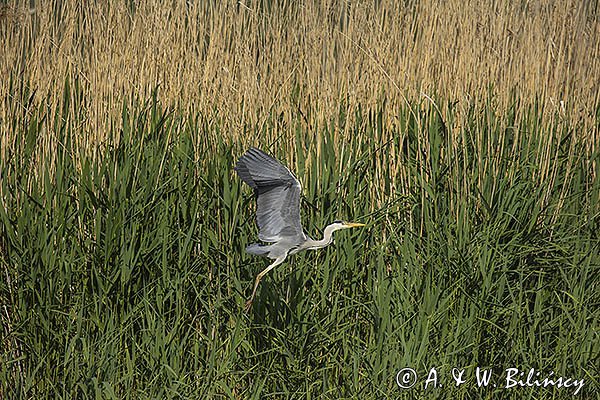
{"x":277,"y":196}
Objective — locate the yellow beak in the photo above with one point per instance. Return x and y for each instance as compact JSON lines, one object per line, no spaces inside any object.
{"x":354,"y":224}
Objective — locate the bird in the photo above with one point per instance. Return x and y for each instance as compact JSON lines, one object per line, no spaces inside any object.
{"x":278,"y":193}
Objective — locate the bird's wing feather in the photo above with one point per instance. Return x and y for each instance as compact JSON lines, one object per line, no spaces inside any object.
{"x":277,"y":196}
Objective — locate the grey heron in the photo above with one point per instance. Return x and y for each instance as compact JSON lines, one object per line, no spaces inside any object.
{"x":278,"y":211}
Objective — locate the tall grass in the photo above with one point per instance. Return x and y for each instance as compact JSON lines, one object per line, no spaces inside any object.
{"x":465,"y":136}
{"x":126,"y":277}
{"x":247,"y":62}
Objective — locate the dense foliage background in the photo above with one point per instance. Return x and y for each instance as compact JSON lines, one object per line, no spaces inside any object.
{"x":465,"y":136}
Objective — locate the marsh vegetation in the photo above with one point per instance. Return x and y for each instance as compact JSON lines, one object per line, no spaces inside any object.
{"x":465,"y":135}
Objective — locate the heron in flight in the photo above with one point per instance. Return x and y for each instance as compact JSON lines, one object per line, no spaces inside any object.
{"x":278,"y":211}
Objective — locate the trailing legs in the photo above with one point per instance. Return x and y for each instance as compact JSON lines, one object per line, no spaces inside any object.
{"x":277,"y":261}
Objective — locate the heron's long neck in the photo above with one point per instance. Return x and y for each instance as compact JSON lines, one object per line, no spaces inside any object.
{"x":327,"y":238}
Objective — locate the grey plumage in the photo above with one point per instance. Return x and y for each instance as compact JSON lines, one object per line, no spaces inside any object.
{"x":277,"y":196}
{"x":278,"y":210}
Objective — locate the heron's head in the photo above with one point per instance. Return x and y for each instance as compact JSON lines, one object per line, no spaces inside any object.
{"x":345,"y":225}
{"x":336,"y":225}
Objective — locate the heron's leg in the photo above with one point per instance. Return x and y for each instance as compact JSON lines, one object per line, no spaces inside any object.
{"x":277,"y":261}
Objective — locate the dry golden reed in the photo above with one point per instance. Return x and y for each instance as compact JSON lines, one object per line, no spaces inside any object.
{"x":244,"y":60}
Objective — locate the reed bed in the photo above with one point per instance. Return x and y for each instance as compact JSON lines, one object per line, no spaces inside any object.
{"x":246,"y":61}
{"x":464,"y":133}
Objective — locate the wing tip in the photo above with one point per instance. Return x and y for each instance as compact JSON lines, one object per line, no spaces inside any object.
{"x":259,"y":169}
{"x":242,"y":170}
